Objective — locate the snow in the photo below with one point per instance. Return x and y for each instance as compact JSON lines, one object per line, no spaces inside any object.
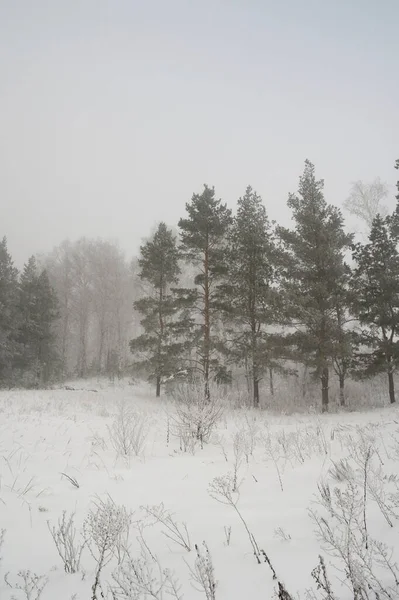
{"x":46,"y":433}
